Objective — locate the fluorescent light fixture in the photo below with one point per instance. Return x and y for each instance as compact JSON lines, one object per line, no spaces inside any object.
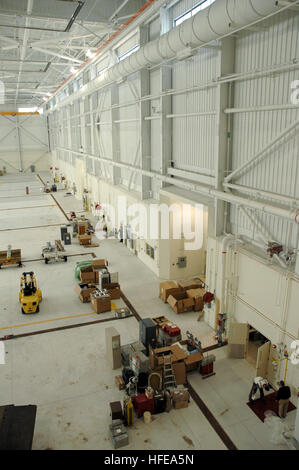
{"x":27,"y":110}
{"x":73,"y":70}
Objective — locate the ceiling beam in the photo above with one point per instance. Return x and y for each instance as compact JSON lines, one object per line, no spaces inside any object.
{"x":56,"y":54}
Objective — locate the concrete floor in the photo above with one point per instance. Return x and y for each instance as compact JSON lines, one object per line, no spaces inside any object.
{"x":65,"y":373}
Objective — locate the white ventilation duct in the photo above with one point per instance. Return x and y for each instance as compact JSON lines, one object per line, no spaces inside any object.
{"x":221,"y":18}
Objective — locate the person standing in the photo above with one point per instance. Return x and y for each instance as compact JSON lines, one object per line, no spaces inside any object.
{"x":121,"y":233}
{"x":259,"y":384}
{"x":283,"y":397}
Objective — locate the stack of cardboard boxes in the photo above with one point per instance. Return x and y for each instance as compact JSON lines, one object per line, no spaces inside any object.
{"x":183,"y":296}
{"x":84,"y":290}
{"x":178,"y":357}
{"x":90,"y":277}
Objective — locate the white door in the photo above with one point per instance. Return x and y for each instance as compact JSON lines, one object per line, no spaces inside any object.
{"x":237,"y":340}
{"x":262,"y":360}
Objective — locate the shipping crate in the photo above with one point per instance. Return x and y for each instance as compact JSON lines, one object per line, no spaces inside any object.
{"x":100,"y":304}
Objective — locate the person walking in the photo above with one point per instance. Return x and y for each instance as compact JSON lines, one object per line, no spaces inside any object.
{"x":283,"y":397}
{"x":259,"y":384}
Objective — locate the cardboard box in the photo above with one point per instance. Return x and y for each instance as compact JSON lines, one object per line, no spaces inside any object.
{"x":160,"y":321}
{"x":114,"y":290}
{"x":193,"y":361}
{"x":87,"y":277}
{"x":167,"y":288}
{"x":179,"y":370}
{"x":90,"y":277}
{"x":99,"y":263}
{"x":84,"y":293}
{"x":190,"y":284}
{"x":180,"y":395}
{"x":180,"y":302}
{"x":101,"y":304}
{"x":156,"y":355}
{"x":180,"y":404}
{"x":85,"y":239}
{"x":197,"y":296}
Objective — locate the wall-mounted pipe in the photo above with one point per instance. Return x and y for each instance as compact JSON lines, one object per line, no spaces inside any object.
{"x":209,"y":191}
{"x":221,"y":18}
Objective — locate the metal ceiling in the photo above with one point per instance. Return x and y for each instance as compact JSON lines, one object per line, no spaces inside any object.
{"x":40,"y":40}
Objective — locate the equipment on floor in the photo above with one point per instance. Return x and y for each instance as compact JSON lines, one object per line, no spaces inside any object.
{"x":142,"y":404}
{"x":207,"y":366}
{"x":63,"y":231}
{"x":81,"y":265}
{"x":67,"y":239}
{"x":221,"y":327}
{"x":193,"y":343}
{"x":168,"y":334}
{"x":118,"y":433}
{"x":116,"y":410}
{"x":10,"y":257}
{"x":30,"y":296}
{"x":127,"y":373}
{"x":168,"y":373}
{"x":51,"y":253}
{"x":131,"y":387}
{"x":147,"y":333}
{"x":81,"y":226}
{"x":17,"y":425}
{"x":160,"y":401}
{"x":128,"y":412}
{"x":122,"y":312}
{"x":139,"y":362}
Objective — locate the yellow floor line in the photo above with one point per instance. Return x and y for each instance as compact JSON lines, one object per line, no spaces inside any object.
{"x":113,"y":306}
{"x":47,"y":321}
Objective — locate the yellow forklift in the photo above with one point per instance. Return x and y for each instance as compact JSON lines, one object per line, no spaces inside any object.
{"x":30,"y":296}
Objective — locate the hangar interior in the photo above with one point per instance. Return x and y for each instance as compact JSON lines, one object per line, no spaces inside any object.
{"x":168,"y":131}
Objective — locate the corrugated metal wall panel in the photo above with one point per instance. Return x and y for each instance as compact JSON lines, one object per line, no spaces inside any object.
{"x":194,"y":136}
{"x":277,"y":43}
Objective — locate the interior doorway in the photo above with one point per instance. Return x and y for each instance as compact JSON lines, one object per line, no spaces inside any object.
{"x":255,"y":341}
{"x":245,"y":342}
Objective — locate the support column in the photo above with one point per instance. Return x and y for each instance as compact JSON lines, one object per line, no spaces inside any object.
{"x":92,"y":144}
{"x":145,"y":134}
{"x":165,"y":101}
{"x":226,"y":66}
{"x":165,"y":124}
{"x":145,"y":125}
{"x":116,"y":175}
{"x":19,"y":144}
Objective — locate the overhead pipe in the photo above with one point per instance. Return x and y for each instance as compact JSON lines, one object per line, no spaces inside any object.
{"x":221,"y":18}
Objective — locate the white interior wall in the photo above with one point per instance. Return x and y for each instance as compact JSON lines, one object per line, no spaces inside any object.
{"x":263,"y":295}
{"x":23,"y":142}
